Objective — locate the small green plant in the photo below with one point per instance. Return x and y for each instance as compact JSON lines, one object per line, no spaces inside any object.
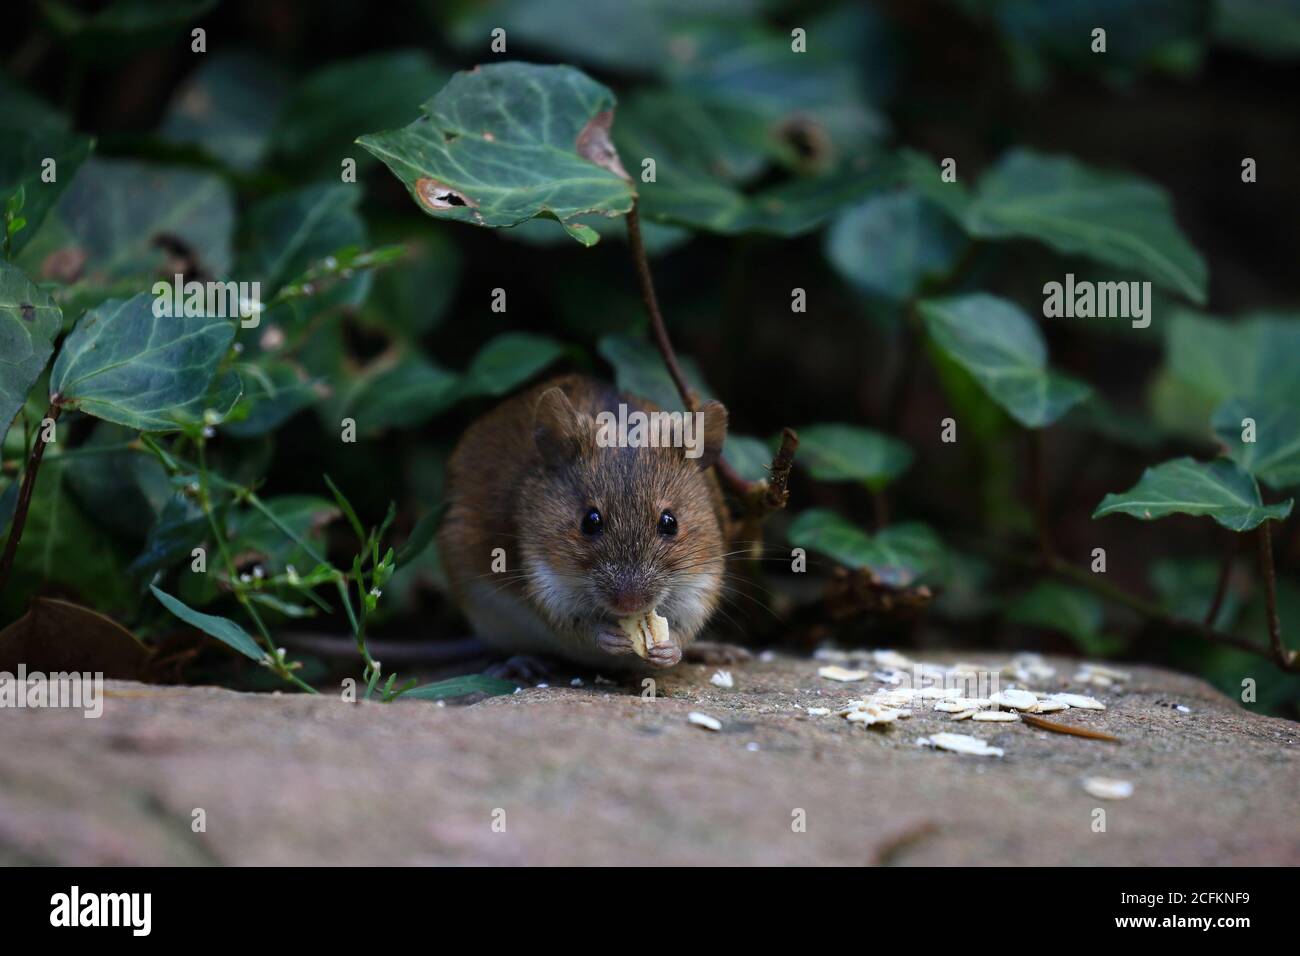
{"x":146,"y":467}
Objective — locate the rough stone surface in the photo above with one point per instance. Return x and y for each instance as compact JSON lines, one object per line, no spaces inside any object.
{"x":595,"y":774}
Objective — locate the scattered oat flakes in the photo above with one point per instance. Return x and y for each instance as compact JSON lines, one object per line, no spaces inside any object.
{"x":704,"y":720}
{"x":964,"y":714}
{"x":1080,"y":701}
{"x":1047,"y":706}
{"x":722,"y":679}
{"x":819,"y":711}
{"x":1107,"y":788}
{"x":994,"y":715}
{"x":960,"y":743}
{"x":835,"y":672}
{"x":1017,"y":699}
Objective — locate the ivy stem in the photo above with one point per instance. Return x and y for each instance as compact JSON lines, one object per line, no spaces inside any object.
{"x":758,"y":496}
{"x":1287,"y":659}
{"x":25,"y":496}
{"x":1221,"y":587}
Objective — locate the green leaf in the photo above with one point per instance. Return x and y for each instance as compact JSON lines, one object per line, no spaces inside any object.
{"x":400,"y":392}
{"x":124,"y":364}
{"x":751,"y":457}
{"x":29,"y":321}
{"x":23,"y":152}
{"x":320,"y":120}
{"x":181,"y":527}
{"x":692,"y":186}
{"x":892,"y":244}
{"x":121,"y":27}
{"x":1183,"y":486}
{"x":639,"y":371}
{"x":291,"y":232}
{"x":460,"y":686}
{"x":1273,"y":456}
{"x":104,"y":236}
{"x":1119,"y":220}
{"x":1252,"y":358}
{"x":1269,"y":28}
{"x":275,"y":542}
{"x":508,"y":361}
{"x":63,"y":548}
{"x":274,"y":391}
{"x":899,"y":556}
{"x":223,"y":629}
{"x":850,"y":453}
{"x":507,"y":142}
{"x":1072,"y":611}
{"x":226,"y":107}
{"x":1004,"y":350}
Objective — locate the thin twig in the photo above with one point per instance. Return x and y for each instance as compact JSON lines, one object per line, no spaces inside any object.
{"x":1221,"y":587}
{"x":758,"y":496}
{"x":1286,"y":659}
{"x":25,"y":497}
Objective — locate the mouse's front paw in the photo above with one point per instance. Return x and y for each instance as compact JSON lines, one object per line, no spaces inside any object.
{"x":612,"y":639}
{"x":665,"y":654}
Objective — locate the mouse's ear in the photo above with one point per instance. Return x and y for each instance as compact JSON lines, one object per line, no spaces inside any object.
{"x":714,"y":432}
{"x":560,"y":430}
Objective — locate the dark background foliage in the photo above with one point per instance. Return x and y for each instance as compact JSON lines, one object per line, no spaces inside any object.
{"x":1186,"y":91}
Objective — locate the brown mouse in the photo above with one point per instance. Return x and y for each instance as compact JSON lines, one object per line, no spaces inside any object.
{"x":553,"y":532}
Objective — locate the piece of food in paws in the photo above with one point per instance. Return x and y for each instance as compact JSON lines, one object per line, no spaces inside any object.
{"x":645,"y":631}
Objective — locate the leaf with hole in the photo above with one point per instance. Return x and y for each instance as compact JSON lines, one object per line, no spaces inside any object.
{"x":507,"y":142}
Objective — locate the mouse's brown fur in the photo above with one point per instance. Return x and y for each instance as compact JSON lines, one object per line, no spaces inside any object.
{"x":521,"y":480}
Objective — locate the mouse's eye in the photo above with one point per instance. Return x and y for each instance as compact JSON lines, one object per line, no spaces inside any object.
{"x":667,"y":523}
{"x":592,"y":522}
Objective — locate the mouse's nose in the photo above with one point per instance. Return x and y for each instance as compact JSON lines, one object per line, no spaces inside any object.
{"x":629,"y":599}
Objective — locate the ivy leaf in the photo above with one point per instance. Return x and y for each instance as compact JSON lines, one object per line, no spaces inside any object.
{"x":507,"y":142}
{"x":320,"y":119}
{"x":222,"y":628}
{"x":750,"y":457}
{"x":23,"y":151}
{"x":1273,"y":455}
{"x":890,"y":245}
{"x":639,"y":371}
{"x":1003,"y":350}
{"x":109,"y":232}
{"x":850,"y":453}
{"x":29,"y":321}
{"x":460,"y":686}
{"x":1218,"y":488}
{"x":1116,"y":219}
{"x":399,"y":391}
{"x":1069,"y":610}
{"x":1252,"y":358}
{"x":226,"y":108}
{"x":124,"y":364}
{"x":898,"y":556}
{"x":508,"y":361}
{"x":290,"y":232}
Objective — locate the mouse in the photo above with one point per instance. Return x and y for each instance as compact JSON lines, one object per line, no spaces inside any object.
{"x":555,"y":531}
